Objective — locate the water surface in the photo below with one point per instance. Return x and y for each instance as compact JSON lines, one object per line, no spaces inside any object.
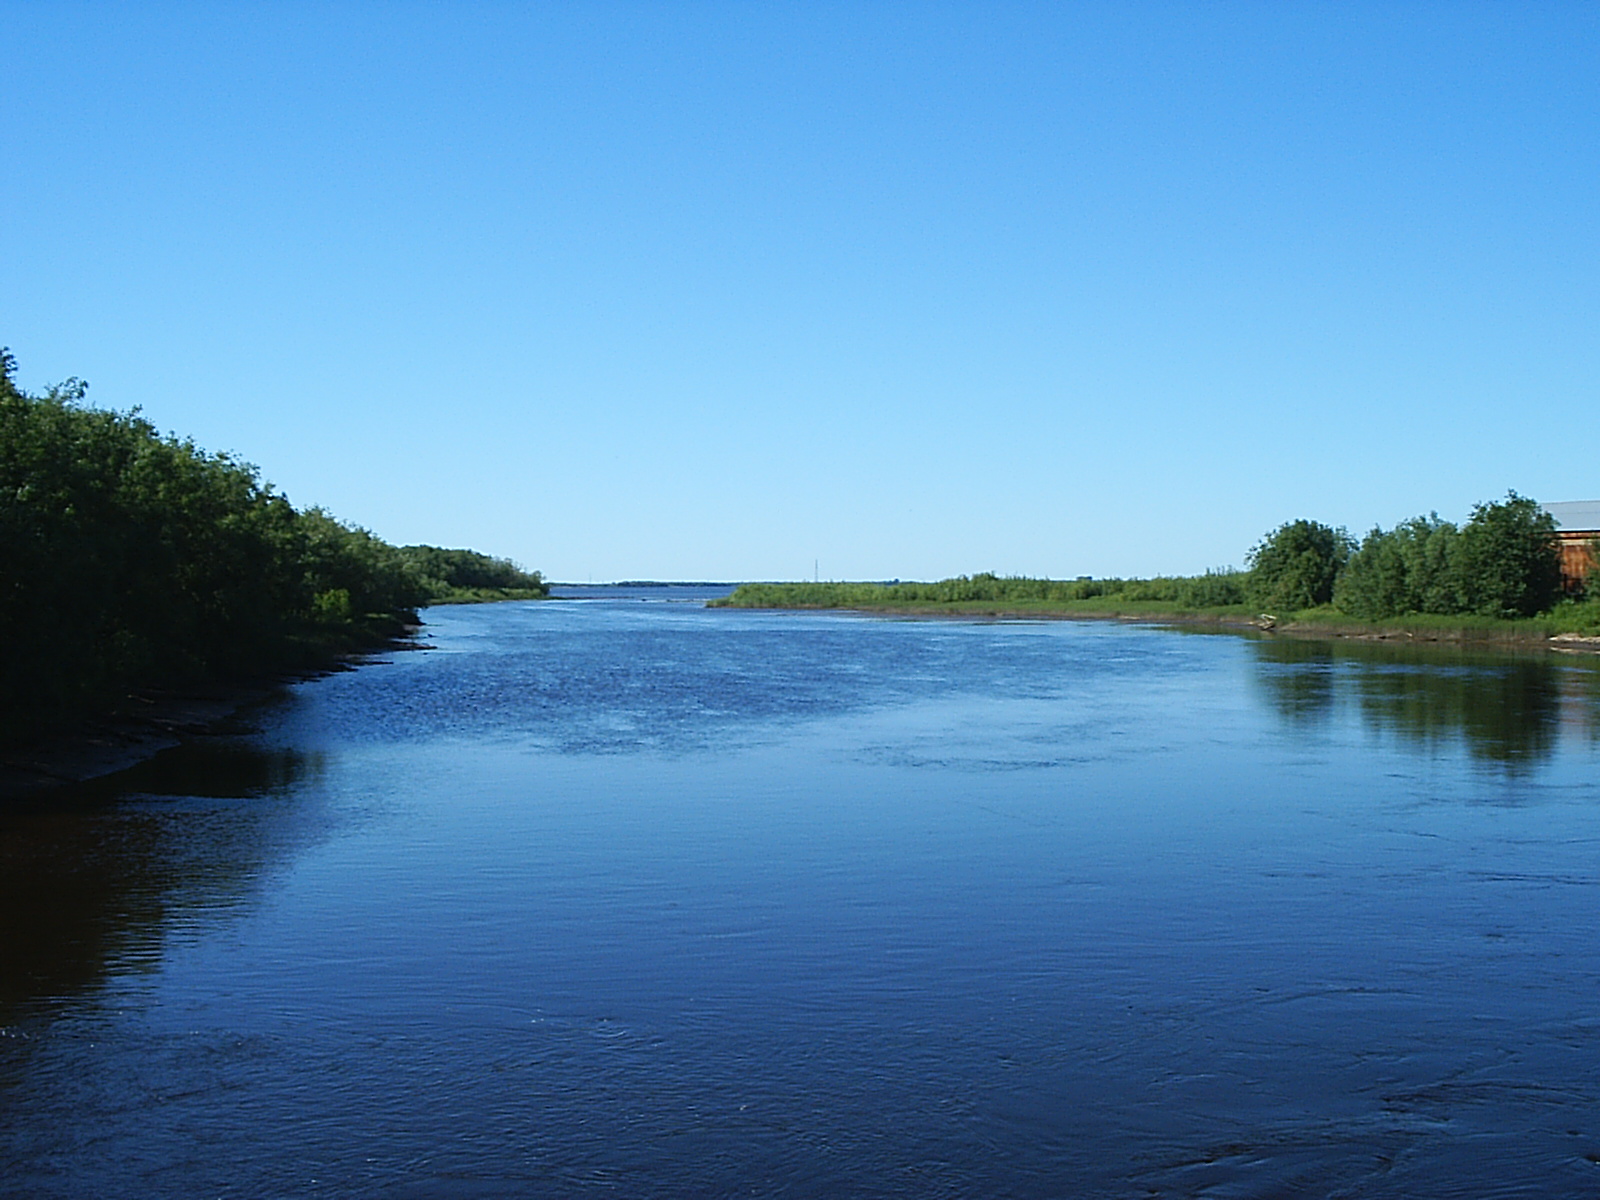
{"x":624,"y":896}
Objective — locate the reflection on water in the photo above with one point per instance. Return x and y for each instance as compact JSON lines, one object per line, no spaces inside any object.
{"x":1506,"y":709}
{"x":234,"y":769}
{"x":91,"y":876}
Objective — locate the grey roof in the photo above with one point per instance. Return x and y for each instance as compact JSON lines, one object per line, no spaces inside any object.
{"x":1575,"y":514}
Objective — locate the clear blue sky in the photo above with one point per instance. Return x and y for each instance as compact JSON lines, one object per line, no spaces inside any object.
{"x":720,"y":290}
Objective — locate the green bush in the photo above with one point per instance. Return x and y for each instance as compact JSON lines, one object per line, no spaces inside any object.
{"x":1511,"y":561}
{"x":1416,"y":568}
{"x":448,"y":573}
{"x":1503,"y":564}
{"x":1296,"y":565}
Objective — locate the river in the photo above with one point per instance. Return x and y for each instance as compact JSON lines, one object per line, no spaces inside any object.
{"x":626,"y":896}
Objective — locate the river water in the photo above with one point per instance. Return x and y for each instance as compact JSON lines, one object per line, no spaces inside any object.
{"x":629,"y":897}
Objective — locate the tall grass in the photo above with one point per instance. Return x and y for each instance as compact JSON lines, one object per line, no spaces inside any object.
{"x":1213,"y":590}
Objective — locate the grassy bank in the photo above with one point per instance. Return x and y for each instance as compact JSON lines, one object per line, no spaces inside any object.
{"x":1564,"y":620}
{"x":1141,"y":600}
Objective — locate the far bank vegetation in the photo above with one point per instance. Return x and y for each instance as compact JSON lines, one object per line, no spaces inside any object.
{"x":1499,"y":574}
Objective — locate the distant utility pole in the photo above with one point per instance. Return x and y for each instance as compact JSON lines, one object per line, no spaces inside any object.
{"x":816,"y":570}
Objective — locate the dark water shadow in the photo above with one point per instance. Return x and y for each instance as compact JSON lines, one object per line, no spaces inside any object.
{"x":93,"y":877}
{"x":1509,"y":710}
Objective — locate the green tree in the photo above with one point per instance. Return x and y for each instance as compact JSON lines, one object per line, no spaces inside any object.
{"x":445,"y":571}
{"x":1295,"y":566}
{"x":129,"y":560}
{"x":1511,"y":561}
{"x":1415,"y":568}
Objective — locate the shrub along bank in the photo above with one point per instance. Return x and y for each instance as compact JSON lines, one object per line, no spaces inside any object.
{"x":467,"y":577}
{"x":130,"y":560}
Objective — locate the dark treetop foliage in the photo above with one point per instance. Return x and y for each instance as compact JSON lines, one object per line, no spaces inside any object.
{"x":452,"y":573}
{"x":1503,"y":563}
{"x":1511,"y":560}
{"x":1415,"y":568}
{"x":1295,"y":566}
{"x":132,"y":560}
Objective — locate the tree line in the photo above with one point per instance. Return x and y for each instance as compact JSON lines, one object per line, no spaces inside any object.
{"x":1503,"y":563}
{"x":132,"y":560}
{"x":1214,"y":589}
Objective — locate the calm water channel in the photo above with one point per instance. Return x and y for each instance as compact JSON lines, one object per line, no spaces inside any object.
{"x":629,"y":897}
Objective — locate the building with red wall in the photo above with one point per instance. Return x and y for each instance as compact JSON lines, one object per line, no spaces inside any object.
{"x":1578,"y":528}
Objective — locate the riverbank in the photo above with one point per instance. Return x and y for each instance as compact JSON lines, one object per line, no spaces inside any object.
{"x":1553,"y":633}
{"x":151,"y":720}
